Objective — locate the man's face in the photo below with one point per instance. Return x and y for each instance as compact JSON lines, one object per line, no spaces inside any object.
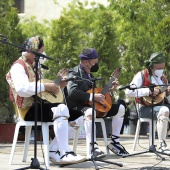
{"x":31,"y":56}
{"x":92,"y":62}
{"x":158,"y":69}
{"x":42,"y":49}
{"x":160,"y":66}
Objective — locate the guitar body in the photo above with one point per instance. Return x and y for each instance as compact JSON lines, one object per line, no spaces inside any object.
{"x":157,"y":99}
{"x":51,"y":97}
{"x":101,"y":108}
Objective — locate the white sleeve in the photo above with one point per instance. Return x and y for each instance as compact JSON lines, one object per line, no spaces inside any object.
{"x":23,"y":87}
{"x":136,"y":83}
{"x":91,"y":97}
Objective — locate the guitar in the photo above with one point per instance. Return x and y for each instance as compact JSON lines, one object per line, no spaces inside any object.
{"x":52,"y":97}
{"x":103,"y":108}
{"x":159,"y":98}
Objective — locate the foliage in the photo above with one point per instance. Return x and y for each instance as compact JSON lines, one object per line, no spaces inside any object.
{"x":31,"y":27}
{"x":62,"y":44}
{"x":68,"y":36}
{"x":162,"y":40}
{"x":124,"y":33}
{"x":8,"y":54}
{"x":104,"y":40}
{"x":81,"y":27}
{"x":140,"y":28}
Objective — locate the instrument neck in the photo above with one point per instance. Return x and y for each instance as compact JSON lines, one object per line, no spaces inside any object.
{"x":58,"y":80}
{"x":107,"y":87}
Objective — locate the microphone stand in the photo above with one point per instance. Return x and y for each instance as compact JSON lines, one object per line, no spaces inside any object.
{"x":93,"y":156}
{"x":35,"y":163}
{"x":152,"y":148}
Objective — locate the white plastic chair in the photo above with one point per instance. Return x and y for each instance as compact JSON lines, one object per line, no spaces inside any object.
{"x":28,"y":126}
{"x":140,"y":120}
{"x":100,"y":120}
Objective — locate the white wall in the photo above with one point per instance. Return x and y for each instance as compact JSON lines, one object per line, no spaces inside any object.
{"x":46,"y":9}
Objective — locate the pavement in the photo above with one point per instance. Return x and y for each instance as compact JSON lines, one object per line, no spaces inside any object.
{"x":142,"y":161}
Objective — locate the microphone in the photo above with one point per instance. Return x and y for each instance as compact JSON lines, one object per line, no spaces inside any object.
{"x":124,"y":87}
{"x":71,"y":78}
{"x":44,"y":67}
{"x":93,"y":79}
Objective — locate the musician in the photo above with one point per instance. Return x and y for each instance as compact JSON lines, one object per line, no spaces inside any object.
{"x":21,"y":79}
{"x":153,"y":74}
{"x":77,"y":97}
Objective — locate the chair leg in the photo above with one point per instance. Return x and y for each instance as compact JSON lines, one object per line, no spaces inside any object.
{"x":136,"y":135}
{"x":27,"y":140}
{"x":45,"y":132}
{"x":104,"y":135}
{"x":75,"y":140}
{"x":14,"y":142}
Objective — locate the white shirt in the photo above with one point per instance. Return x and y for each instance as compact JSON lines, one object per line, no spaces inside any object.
{"x":137,"y":82}
{"x":23,"y":87}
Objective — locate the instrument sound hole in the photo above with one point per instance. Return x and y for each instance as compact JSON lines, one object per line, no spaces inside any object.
{"x":53,"y":95}
{"x":104,"y":106}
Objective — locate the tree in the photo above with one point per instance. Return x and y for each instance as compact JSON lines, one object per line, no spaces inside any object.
{"x":139,"y":28}
{"x":124,"y":33}
{"x":8,"y":54}
{"x":80,"y":27}
{"x":31,"y":27}
{"x":104,"y":40}
{"x":163,"y":41}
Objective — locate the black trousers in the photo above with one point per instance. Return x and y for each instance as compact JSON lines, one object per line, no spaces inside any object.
{"x":113,"y":111}
{"x":45,"y":114}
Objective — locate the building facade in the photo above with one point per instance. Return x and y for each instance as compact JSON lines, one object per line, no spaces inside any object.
{"x":44,"y":9}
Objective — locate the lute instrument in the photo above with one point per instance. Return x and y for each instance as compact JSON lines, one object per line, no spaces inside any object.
{"x":104,"y":107}
{"x":52,"y":97}
{"x":163,"y":96}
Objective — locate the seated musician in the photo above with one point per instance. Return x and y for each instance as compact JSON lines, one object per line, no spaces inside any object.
{"x":153,"y":74}
{"x":78,"y":95}
{"x":21,"y":79}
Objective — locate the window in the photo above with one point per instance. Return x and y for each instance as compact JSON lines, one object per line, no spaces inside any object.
{"x":19,"y":4}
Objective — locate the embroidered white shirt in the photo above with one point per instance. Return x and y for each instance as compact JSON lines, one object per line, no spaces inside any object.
{"x":23,"y":87}
{"x":137,"y":82}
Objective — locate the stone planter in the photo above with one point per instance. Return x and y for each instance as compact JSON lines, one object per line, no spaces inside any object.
{"x":7,"y":132}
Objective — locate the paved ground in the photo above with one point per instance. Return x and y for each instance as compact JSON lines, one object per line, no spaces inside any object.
{"x":137,"y":162}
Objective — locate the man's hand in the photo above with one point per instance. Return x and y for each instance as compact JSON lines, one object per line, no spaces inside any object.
{"x":168,"y":88}
{"x":115,"y":83}
{"x":51,"y":87}
{"x":63,"y":83}
{"x":99,"y":97}
{"x":155,"y":92}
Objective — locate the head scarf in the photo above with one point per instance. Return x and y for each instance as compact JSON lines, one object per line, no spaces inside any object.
{"x":33,"y":43}
{"x":155,"y":58}
{"x":91,"y":54}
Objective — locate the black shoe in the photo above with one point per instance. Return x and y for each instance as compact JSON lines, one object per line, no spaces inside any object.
{"x":116,"y":147}
{"x":97,"y":152}
{"x":163,"y":148}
